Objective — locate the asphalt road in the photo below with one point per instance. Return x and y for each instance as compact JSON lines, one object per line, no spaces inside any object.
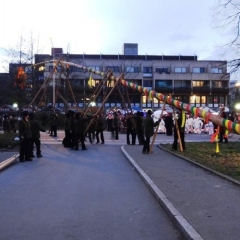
{"x":93,"y":194}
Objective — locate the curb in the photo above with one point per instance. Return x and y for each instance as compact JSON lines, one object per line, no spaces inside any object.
{"x":202,"y":166}
{"x":182,"y":224}
{"x":8,"y":161}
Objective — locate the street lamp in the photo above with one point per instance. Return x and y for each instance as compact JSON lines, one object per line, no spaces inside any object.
{"x":15,"y":106}
{"x":237,"y":106}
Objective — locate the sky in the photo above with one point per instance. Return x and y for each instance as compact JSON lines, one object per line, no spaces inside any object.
{"x":159,"y":27}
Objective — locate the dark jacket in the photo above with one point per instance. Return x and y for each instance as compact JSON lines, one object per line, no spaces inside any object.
{"x":24,"y":129}
{"x":148,"y":126}
{"x":100,"y":124}
{"x":36,"y":128}
{"x":80,"y":125}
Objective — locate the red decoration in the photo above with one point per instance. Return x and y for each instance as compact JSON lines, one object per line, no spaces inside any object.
{"x":20,"y":78}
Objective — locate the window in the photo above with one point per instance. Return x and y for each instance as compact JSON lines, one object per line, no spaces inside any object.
{"x":147,"y":69}
{"x":216,"y":70}
{"x":96,"y":68}
{"x":162,"y":69}
{"x":132,"y":69}
{"x":201,"y":83}
{"x":203,"y":100}
{"x":147,"y":83}
{"x":195,"y":99}
{"x":163,"y":84}
{"x":180,"y":70}
{"x":198,"y":83}
{"x":198,"y":70}
{"x":217,"y":84}
{"x":41,"y":68}
{"x":114,"y":68}
{"x":182,"y":83}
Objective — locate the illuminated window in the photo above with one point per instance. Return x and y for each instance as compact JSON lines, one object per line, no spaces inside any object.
{"x":195,"y":99}
{"x":198,"y":83}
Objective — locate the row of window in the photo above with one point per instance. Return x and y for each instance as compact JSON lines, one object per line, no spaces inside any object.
{"x":158,"y":83}
{"x":210,"y":101}
{"x":185,"y":83}
{"x":147,"y":70}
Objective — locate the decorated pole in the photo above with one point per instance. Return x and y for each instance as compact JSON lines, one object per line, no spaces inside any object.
{"x":231,"y":126}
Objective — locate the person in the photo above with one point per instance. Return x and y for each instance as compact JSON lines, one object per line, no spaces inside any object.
{"x":148,"y":129}
{"x":138,"y":117}
{"x":79,"y":130}
{"x":25,"y":138}
{"x":169,"y":124}
{"x":222,"y":130}
{"x":36,"y":128}
{"x":91,"y":129}
{"x":131,"y":129}
{"x":53,"y":124}
{"x":13,"y":123}
{"x":115,"y":125}
{"x":67,"y":138}
{"x":6,"y":124}
{"x":99,"y":127}
{"x":71,"y":130}
{"x":179,"y":125}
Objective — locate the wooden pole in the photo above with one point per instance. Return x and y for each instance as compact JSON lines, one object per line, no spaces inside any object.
{"x":156,"y":131}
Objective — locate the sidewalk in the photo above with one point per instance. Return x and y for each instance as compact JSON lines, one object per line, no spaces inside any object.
{"x":202,"y":204}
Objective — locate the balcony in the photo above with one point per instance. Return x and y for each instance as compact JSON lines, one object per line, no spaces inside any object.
{"x":223,"y":90}
{"x":201,"y":90}
{"x":182,"y":90}
{"x":164,"y":89}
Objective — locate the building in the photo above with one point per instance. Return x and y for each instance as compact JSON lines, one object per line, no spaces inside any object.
{"x":192,"y":81}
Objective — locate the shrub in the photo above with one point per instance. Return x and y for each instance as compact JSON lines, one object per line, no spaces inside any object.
{"x":7,"y":140}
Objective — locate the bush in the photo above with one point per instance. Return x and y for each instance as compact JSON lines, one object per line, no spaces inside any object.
{"x":7,"y":140}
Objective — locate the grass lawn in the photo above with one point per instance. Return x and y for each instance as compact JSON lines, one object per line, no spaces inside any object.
{"x":226,"y":161}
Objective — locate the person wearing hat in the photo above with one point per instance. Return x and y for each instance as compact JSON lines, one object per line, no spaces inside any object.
{"x":148,"y":129}
{"x":25,"y":138}
{"x":36,"y":128}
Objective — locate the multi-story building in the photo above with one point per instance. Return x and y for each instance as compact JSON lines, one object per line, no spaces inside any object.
{"x":197,"y":82}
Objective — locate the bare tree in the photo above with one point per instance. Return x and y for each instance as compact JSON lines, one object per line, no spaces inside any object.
{"x":227,"y":19}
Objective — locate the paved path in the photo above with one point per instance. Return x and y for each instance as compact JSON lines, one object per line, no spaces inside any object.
{"x":203,"y":205}
{"x":208,"y":203}
{"x":74,"y":195}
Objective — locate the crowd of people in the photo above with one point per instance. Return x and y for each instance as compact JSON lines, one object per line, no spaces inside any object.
{"x":137,"y":126}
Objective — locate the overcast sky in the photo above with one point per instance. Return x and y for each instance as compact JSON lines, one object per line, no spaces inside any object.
{"x":169,"y":27}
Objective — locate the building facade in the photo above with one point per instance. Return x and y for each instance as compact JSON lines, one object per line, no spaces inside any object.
{"x":192,"y":81}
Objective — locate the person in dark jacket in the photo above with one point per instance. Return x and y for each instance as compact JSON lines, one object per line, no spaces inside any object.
{"x":180,"y":123}
{"x":139,"y":128}
{"x":169,"y":124}
{"x":36,"y":128}
{"x":71,"y":130}
{"x":148,"y":129}
{"x":100,"y":125}
{"x":53,"y":124}
{"x":67,"y":138}
{"x":131,"y":129}
{"x":222,"y":130}
{"x":6,"y":124}
{"x":115,"y":125}
{"x":25,"y":138}
{"x":92,"y":129}
{"x":80,"y":125}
